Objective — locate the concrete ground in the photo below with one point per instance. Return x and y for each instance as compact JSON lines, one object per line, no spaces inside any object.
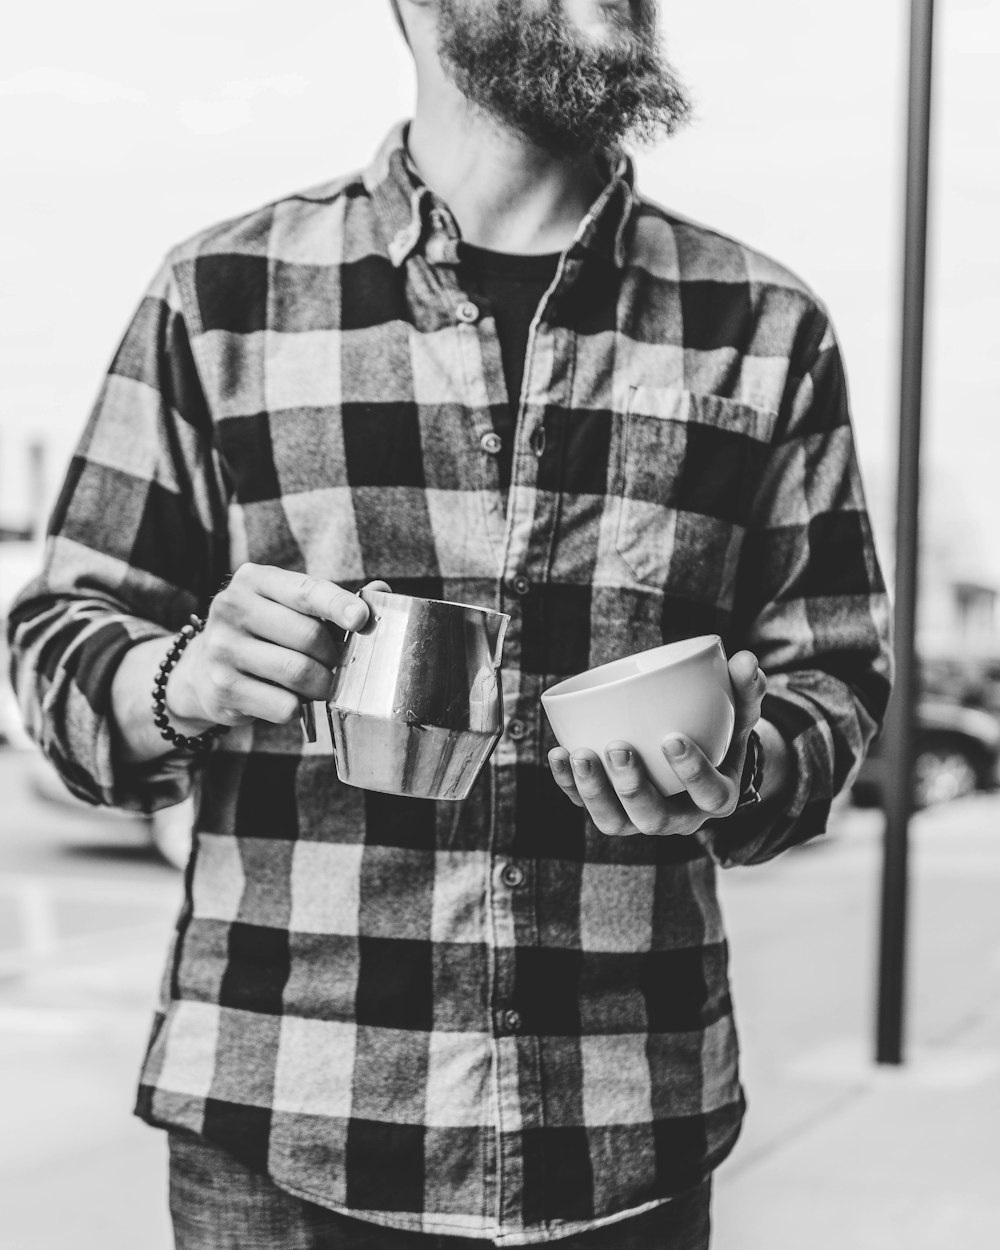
{"x":835,"y":1153}
{"x":839,"y":1153}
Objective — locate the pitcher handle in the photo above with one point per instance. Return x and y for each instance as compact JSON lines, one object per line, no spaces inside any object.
{"x":307,"y":718}
{"x":503,"y":620}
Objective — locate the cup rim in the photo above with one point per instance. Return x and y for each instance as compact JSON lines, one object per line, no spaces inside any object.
{"x":570,"y":687}
{"x":444,"y":603}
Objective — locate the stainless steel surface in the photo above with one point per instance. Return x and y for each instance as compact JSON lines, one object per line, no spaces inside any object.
{"x":416,"y":707}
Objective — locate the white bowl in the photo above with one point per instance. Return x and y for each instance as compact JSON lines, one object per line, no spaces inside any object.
{"x":683,"y":687}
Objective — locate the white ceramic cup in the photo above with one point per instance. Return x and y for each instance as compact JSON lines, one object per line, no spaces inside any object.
{"x":683,"y":687}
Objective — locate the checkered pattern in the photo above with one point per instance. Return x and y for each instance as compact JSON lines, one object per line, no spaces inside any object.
{"x":482,"y":1018}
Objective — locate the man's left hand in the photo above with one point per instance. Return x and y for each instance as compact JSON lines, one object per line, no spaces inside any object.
{"x":622,"y":800}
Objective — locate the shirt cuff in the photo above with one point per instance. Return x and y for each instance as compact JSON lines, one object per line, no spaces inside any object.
{"x":761,"y":831}
{"x":82,"y":748}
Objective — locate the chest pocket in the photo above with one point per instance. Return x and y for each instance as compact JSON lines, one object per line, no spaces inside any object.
{"x":684,"y":467}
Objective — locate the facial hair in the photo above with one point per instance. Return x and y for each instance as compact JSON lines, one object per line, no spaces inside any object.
{"x":535,"y":75}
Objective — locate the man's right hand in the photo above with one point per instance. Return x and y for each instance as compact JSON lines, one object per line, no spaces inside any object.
{"x":266,"y":646}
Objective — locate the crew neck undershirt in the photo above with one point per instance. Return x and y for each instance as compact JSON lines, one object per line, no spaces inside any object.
{"x":510,"y":287}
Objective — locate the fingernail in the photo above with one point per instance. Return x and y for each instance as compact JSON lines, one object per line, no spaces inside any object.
{"x":620,"y":757}
{"x":558,"y":763}
{"x":581,"y":766}
{"x":756,"y":673}
{"x":675,"y":747}
{"x":356,"y":616}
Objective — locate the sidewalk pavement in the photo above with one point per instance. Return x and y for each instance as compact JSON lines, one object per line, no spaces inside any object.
{"x":838,"y":1152}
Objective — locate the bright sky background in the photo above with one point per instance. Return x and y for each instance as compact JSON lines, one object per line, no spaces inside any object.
{"x":125,"y":127}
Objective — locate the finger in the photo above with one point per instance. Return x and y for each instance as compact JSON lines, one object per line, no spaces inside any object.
{"x":749,"y":687}
{"x":280,"y":666}
{"x":598,"y":795}
{"x":645,"y":806}
{"x":562,"y":771}
{"x":749,"y":684}
{"x":313,"y":596}
{"x":710,"y":791}
{"x":245,"y":698}
{"x":272,"y":622}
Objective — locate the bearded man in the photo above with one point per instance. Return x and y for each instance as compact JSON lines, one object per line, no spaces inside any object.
{"x":488,"y":371}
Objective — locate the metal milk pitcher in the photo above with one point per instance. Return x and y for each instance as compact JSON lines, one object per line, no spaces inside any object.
{"x":416,"y":707}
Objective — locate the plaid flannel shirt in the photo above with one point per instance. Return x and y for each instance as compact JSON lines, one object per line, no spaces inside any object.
{"x":482,"y":1018}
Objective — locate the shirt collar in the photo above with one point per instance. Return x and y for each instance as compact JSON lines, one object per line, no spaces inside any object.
{"x":414,"y":218}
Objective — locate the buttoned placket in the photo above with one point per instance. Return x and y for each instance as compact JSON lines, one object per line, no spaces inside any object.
{"x":523,"y":539}
{"x":510,"y":900}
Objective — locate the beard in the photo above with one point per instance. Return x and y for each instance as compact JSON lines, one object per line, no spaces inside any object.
{"x":534,"y":74}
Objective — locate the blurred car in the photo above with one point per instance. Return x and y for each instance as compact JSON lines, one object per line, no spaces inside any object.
{"x":957,"y":753}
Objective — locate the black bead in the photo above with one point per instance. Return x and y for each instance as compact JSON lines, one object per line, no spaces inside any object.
{"x":161,"y":718}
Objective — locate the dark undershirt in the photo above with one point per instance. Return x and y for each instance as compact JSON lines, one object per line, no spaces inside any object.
{"x":510,"y":287}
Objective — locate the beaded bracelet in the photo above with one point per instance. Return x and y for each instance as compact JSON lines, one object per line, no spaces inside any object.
{"x":196,"y":743}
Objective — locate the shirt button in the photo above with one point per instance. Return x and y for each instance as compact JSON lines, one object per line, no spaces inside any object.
{"x":520,"y":585}
{"x":467,"y":311}
{"x":512,"y":1020}
{"x":491,"y":443}
{"x":517,"y":730}
{"x":512,"y":876}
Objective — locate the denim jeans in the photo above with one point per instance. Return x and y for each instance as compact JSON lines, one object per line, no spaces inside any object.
{"x":218,"y":1204}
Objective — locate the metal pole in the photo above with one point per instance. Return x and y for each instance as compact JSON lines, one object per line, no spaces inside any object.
{"x":899,"y":730}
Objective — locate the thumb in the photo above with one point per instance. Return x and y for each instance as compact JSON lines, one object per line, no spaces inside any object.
{"x":749,"y":685}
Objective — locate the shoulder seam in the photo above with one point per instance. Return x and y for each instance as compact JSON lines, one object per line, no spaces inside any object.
{"x":332,"y":192}
{"x":671,"y":217}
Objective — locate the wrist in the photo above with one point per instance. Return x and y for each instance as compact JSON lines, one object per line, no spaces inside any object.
{"x":187,"y":713}
{"x":778,"y":767}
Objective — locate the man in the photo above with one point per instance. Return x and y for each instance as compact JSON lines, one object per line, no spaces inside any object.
{"x":485,"y":370}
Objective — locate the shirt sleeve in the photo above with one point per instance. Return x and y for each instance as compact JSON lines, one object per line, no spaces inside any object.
{"x":136,"y":543}
{"x":812,"y":605}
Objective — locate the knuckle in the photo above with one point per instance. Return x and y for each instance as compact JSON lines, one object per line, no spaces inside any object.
{"x":295,"y":669}
{"x":287,"y":708}
{"x":223,"y":609}
{"x":230,"y":604}
{"x":618,"y":828}
{"x":223,"y":680}
{"x":690,"y":771}
{"x":630,"y":788}
{"x":648,"y":828}
{"x":312,"y":591}
{"x":718,"y":804}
